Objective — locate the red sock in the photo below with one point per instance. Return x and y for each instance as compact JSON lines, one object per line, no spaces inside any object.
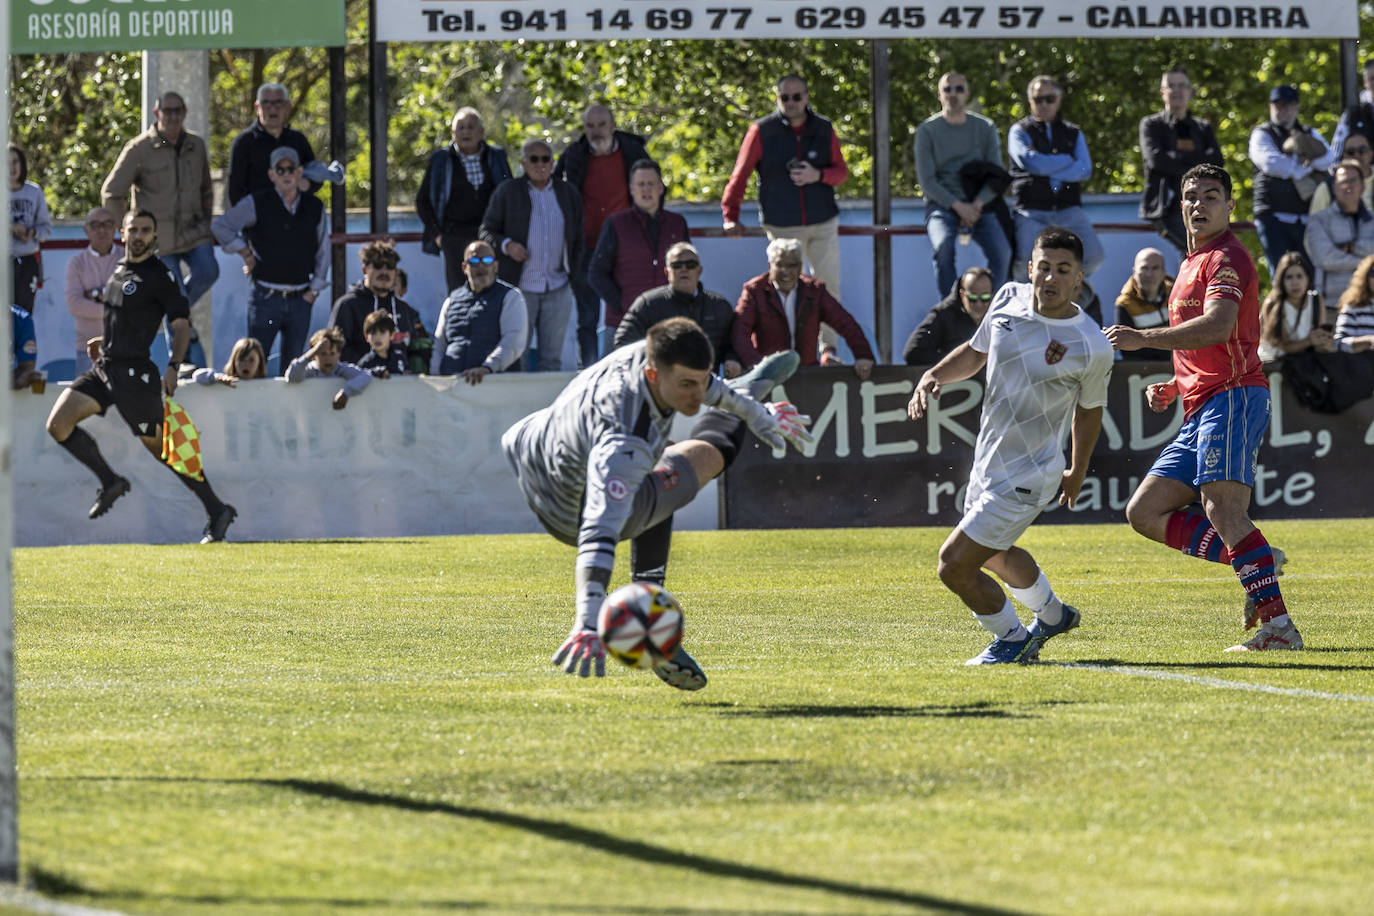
{"x":1253,"y":562}
{"x":1193,"y":534}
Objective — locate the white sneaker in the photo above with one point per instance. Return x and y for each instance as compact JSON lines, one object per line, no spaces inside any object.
{"x":1250,"y":615}
{"x":1271,"y":637}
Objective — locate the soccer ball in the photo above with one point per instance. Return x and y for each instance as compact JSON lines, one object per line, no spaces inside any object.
{"x":640,"y":624}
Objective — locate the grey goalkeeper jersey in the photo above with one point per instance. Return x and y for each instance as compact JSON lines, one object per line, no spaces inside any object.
{"x":581,"y":459}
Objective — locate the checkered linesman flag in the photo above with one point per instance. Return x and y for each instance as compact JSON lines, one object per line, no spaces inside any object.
{"x":180,"y":441}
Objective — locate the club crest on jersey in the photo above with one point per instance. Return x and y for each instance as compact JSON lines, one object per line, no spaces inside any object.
{"x":130,"y":287}
{"x":616,"y":489}
{"x":1055,"y":352}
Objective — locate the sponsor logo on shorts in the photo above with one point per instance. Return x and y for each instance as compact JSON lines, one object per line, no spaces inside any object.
{"x":1055,"y":352}
{"x":616,"y":489}
{"x":1211,"y":457}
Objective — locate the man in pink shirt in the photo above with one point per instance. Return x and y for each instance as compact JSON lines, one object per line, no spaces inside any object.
{"x":87,"y":274}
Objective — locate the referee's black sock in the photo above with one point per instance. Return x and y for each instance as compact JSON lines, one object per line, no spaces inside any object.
{"x":84,"y":449}
{"x":201,"y":488}
{"x":723,"y":430}
{"x":649,"y":553}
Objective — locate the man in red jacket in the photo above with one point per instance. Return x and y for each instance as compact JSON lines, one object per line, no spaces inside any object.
{"x":782,"y":310}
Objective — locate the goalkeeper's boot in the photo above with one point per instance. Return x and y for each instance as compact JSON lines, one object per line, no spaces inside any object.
{"x":772,"y":370}
{"x":1067,"y":621}
{"x":1008,"y":652}
{"x":681,"y":671}
{"x":1251,"y":612}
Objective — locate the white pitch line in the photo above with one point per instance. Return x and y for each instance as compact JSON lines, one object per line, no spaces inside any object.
{"x":1219,"y":682}
{"x":27,"y":900}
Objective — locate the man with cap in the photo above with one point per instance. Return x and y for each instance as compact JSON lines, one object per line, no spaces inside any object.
{"x":283,"y":238}
{"x":1287,"y":159}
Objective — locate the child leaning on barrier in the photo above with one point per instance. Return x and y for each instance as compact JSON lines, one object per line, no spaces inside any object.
{"x":384,"y":358}
{"x":322,"y":361}
{"x":246,"y":361}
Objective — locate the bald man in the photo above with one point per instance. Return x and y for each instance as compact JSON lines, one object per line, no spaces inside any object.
{"x":87,"y":274}
{"x":598,"y":165}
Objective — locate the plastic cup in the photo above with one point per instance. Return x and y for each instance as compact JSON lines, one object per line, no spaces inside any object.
{"x":39,"y":383}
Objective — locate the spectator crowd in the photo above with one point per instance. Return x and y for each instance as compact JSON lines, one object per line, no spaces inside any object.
{"x":579,"y":241}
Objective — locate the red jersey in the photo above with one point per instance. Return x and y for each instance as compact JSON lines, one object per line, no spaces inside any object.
{"x":1221,"y":269}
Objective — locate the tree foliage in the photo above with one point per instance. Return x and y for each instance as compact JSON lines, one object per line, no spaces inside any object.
{"x":694,"y":99}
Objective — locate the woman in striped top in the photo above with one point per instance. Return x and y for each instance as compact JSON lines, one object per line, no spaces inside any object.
{"x":1355,"y":323}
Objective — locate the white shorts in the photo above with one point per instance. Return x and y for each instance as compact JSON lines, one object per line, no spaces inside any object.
{"x":995,"y":520}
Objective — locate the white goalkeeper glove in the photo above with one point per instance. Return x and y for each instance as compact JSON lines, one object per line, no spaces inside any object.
{"x":581,"y":651}
{"x":779,"y":423}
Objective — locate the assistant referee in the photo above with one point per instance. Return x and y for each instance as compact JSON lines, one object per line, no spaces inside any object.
{"x":138,"y":296}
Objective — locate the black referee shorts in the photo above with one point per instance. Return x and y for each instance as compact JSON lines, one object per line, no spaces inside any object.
{"x":134,"y":386}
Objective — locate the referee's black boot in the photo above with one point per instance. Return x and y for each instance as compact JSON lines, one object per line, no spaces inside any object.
{"x":108,"y":494}
{"x":219,"y":524}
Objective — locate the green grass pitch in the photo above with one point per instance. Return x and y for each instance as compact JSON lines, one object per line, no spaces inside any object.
{"x":375,"y":727}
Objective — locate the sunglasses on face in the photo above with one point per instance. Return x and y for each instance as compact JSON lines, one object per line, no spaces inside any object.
{"x":977,"y":297}
{"x":794,"y":97}
{"x":1357,"y":150}
{"x":272,"y":103}
{"x":101,"y":224}
{"x":1045,"y":99}
{"x":538,"y":159}
{"x":954,"y":90}
{"x":173,"y":112}
{"x":685,"y":265}
{"x":481,"y":259}
{"x":285,"y":169}
{"x":382,"y":265}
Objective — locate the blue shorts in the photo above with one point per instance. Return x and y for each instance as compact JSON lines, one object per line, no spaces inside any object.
{"x":1219,"y":442}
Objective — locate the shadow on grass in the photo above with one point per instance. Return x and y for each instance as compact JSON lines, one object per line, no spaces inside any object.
{"x":549,"y":829}
{"x":1218,"y":664}
{"x":982,"y":709}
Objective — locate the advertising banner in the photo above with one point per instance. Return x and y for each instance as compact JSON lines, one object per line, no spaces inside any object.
{"x":536,"y":20}
{"x":65,"y":26}
{"x":871,"y":465}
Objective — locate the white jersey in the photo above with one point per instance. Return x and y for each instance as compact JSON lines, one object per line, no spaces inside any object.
{"x":1039,"y":369}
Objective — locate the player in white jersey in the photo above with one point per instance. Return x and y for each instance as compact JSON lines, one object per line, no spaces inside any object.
{"x":1048,"y":365}
{"x":596,"y":466}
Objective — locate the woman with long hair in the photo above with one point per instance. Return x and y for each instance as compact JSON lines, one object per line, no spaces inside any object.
{"x":1293,"y":314}
{"x":1355,"y":323}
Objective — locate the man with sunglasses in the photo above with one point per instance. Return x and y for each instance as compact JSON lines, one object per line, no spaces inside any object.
{"x":684,"y":297}
{"x":166,"y":171}
{"x":632,"y":251}
{"x":1358,"y":147}
{"x":87,"y":273}
{"x":534,"y":225}
{"x":1171,"y":143}
{"x":483,"y":324}
{"x":952,"y":321}
{"x":283,"y":237}
{"x":378,"y":290}
{"x":1358,"y":119}
{"x":1049,"y":162}
{"x":797,"y":156}
{"x":946,"y":143}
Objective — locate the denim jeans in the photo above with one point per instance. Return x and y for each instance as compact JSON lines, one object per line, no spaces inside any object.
{"x":1030,"y":223}
{"x":202,"y":272}
{"x":942,"y":225}
{"x":1277,"y":238}
{"x":270,"y":312}
{"x":549,"y":314}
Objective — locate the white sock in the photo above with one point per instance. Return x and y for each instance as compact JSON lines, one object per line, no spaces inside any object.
{"x":1279,"y":622}
{"x":1004,"y":624}
{"x":1041,"y":599}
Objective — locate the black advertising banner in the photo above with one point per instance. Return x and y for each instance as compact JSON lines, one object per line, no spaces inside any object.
{"x":871,"y":465}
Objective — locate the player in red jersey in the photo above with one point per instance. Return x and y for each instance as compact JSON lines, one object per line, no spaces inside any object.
{"x":1214,"y":333}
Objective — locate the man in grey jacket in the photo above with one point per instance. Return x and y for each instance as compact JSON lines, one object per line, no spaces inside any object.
{"x":1340,"y":236}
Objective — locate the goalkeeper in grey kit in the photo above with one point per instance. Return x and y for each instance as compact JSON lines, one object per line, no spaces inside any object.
{"x":597,"y":468}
